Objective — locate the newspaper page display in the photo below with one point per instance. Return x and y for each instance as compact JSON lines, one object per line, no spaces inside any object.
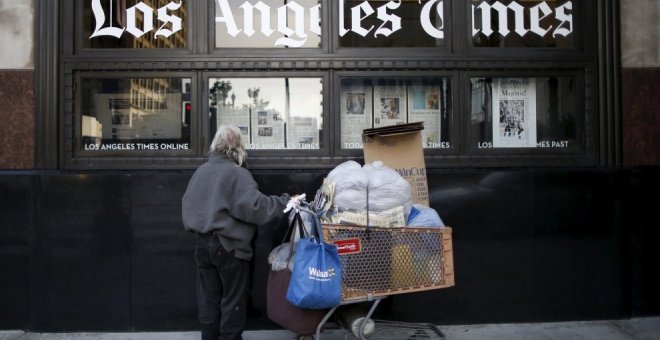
{"x":302,"y":133}
{"x":390,"y":105}
{"x":153,"y":118}
{"x":236,"y":116}
{"x":514,"y":111}
{"x":424,"y":103}
{"x":267,"y":129}
{"x":356,"y":115}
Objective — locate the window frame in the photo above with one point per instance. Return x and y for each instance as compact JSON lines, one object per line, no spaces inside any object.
{"x":586,"y":123}
{"x":273,"y":158}
{"x":428,"y":152}
{"x":110,"y":158}
{"x":594,"y":57}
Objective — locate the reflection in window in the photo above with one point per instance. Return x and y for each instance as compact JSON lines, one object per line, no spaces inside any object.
{"x":134,"y":24}
{"x":392,"y":24}
{"x":376,"y":102}
{"x":135,"y":114}
{"x":267,"y":23}
{"x":524,"y":112}
{"x":522,"y":23}
{"x":272,"y":113}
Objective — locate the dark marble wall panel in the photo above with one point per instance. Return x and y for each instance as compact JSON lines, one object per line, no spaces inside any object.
{"x":17,"y":119}
{"x":639,"y":187}
{"x":16,"y":213}
{"x":491,"y":214}
{"x":162,"y":265}
{"x":578,"y":254}
{"x":640,"y":118}
{"x":107,"y":251}
{"x":80,"y":267}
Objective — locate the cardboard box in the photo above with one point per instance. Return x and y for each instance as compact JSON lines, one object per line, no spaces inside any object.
{"x":400,"y":148}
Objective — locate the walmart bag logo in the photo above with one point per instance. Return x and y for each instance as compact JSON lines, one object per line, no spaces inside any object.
{"x":321,"y":275}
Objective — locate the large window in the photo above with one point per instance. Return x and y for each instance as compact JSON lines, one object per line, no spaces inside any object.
{"x":522,"y":23}
{"x":392,"y":23}
{"x":376,"y":102}
{"x":522,"y":112}
{"x":146,"y":84}
{"x":133,"y":24}
{"x":272,"y":113}
{"x":133,"y":116}
{"x":267,"y":24}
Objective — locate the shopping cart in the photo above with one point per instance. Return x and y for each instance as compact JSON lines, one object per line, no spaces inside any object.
{"x":380,"y":262}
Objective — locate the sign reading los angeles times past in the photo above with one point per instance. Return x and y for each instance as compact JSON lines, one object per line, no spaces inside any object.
{"x":291,"y":23}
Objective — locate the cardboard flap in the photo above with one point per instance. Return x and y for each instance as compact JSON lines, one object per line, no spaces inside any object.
{"x":400,"y":148}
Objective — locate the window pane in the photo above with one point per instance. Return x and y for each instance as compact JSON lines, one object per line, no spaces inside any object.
{"x":375,"y":102}
{"x":134,"y":24}
{"x":267,"y":23}
{"x":408,"y":23}
{"x":522,"y":23}
{"x":135,"y":114}
{"x":272,"y":113}
{"x":524,"y":112}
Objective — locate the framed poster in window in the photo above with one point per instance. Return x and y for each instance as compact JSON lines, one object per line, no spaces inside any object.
{"x":514,"y":107}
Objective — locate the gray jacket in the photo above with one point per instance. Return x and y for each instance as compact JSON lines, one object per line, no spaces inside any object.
{"x":223,"y":198}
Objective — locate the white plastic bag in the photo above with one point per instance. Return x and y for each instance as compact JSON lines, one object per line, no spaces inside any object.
{"x":387,"y":189}
{"x":350,"y":186}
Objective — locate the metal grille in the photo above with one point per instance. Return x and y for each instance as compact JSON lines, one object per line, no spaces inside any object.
{"x":393,"y":260}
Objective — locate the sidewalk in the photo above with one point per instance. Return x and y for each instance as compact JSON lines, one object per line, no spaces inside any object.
{"x":633,"y":329}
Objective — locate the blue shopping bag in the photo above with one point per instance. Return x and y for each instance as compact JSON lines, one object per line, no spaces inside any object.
{"x":316,"y":277}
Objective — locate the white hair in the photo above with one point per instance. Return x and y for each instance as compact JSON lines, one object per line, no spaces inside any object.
{"x":228,"y":141}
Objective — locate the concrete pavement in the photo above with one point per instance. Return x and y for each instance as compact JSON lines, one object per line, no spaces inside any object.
{"x":632,"y":329}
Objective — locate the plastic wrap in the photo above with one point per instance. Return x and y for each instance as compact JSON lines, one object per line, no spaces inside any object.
{"x":424,"y":216}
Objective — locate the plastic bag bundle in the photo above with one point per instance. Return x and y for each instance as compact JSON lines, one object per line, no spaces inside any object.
{"x":350,"y":186}
{"x":423,"y":216}
{"x":279,"y":258}
{"x":387,"y":189}
{"x":308,"y":222}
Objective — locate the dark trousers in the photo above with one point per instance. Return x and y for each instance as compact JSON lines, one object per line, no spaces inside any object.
{"x":222,"y":290}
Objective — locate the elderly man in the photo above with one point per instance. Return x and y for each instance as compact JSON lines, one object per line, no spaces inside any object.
{"x":223,"y":207}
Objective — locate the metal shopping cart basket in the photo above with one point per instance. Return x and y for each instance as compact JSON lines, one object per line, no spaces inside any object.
{"x":379,"y":262}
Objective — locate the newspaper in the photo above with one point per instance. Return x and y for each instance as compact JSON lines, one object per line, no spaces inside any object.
{"x":267,"y":129}
{"x":356,"y":115}
{"x":425,"y":104}
{"x":302,"y":133}
{"x":236,"y":116}
{"x":392,"y":218}
{"x":390,"y":106}
{"x":514,"y":113}
{"x":157,"y":117}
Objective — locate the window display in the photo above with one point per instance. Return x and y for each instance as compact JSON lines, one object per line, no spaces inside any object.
{"x":524,"y":112}
{"x":376,"y":102}
{"x":135,"y":114}
{"x":272,"y":113}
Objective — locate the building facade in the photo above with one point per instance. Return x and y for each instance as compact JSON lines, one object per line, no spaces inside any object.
{"x":540,"y":141}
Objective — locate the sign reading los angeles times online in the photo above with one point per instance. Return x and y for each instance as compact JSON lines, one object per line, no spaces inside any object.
{"x":291,"y":20}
